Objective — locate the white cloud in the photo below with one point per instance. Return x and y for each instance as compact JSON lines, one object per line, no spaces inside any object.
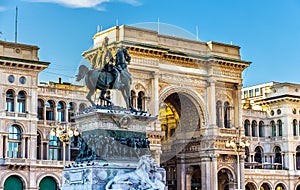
{"x":2,"y":9}
{"x":85,"y":3}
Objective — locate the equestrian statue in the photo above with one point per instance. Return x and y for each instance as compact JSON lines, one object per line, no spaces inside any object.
{"x":109,"y":71}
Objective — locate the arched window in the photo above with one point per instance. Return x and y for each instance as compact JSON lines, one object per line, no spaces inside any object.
{"x":254,"y":128}
{"x":273,"y":128}
{"x":246,"y":127}
{"x":39,"y":146}
{"x":295,"y":124}
{"x":298,"y":157}
{"x":133,"y":98}
{"x":50,"y":110}
{"x":141,"y":101}
{"x":265,"y":186}
{"x":21,"y":102}
{"x":226,"y":115}
{"x":61,"y":111}
{"x":48,"y":183}
{"x":247,"y":154}
{"x":13,"y":182}
{"x":261,"y":129}
{"x":40,"y":109}
{"x":219,"y":113}
{"x":258,"y":155}
{"x":279,"y":123}
{"x":71,"y":111}
{"x":277,"y":158}
{"x":10,"y":95}
{"x":54,"y":148}
{"x":280,"y":186}
{"x":14,"y":142}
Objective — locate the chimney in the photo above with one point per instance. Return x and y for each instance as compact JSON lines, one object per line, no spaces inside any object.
{"x":59,"y":80}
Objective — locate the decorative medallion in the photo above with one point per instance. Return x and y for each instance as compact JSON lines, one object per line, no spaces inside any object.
{"x":22,"y":80}
{"x":11,"y":78}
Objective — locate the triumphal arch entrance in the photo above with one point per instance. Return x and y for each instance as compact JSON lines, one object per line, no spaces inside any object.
{"x":193,"y":88}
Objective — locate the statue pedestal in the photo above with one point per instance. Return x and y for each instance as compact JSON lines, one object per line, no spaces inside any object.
{"x":114,"y":152}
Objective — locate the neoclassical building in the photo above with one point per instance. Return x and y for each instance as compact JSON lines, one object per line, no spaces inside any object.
{"x":271,"y":124}
{"x":195,"y":89}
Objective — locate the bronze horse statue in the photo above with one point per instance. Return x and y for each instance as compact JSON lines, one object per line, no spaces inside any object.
{"x":104,"y":79}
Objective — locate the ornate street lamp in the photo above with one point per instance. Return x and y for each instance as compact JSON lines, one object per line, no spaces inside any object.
{"x":238,"y":144}
{"x":64,"y":133}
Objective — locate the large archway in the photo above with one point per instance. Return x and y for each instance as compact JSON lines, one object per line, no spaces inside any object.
{"x":48,"y":183}
{"x":265,"y":186}
{"x":225,"y":179}
{"x":13,"y":182}
{"x":180,"y":118}
{"x":250,"y":186}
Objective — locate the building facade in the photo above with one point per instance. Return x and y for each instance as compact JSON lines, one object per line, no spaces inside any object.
{"x":271,"y":124}
{"x":195,"y":90}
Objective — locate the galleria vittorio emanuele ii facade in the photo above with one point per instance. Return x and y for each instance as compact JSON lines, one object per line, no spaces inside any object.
{"x":210,"y":134}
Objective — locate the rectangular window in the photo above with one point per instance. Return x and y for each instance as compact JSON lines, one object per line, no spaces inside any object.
{"x":257,"y":92}
{"x":251,"y":93}
{"x":9,"y":106}
{"x":245,"y":94}
{"x":21,"y":107}
{"x":14,"y":150}
{"x":60,"y":116}
{"x":49,"y":115}
{"x":54,"y":154}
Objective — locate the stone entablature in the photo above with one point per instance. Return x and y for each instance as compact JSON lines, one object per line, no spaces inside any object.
{"x":19,"y":51}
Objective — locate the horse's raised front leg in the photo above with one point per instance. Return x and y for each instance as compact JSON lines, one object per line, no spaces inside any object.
{"x":89,"y":95}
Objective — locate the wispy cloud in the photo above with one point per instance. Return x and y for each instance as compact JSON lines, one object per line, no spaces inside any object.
{"x":97,"y":4}
{"x":2,"y":9}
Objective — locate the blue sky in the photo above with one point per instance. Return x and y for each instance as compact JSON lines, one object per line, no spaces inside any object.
{"x":268,"y":31}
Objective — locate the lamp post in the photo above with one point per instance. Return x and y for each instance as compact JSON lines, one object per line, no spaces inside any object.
{"x":237,"y":145}
{"x":64,"y":133}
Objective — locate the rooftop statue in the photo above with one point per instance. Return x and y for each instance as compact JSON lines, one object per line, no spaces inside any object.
{"x":107,"y":73}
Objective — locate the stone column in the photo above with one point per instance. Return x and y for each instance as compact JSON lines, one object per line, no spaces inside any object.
{"x":47,"y":151}
{"x":67,"y":114}
{"x":294,"y":158}
{"x":205,"y":174}
{"x":189,"y":172}
{"x":238,"y":115}
{"x":211,"y":97}
{"x":242,"y":169}
{"x":16,"y":103}
{"x":180,"y":173}
{"x":5,"y":145}
{"x":23,"y":147}
{"x":1,"y":146}
{"x":222,"y":116}
{"x":41,"y":150}
{"x":156,"y":95}
{"x":44,"y":112}
{"x":214,"y":158}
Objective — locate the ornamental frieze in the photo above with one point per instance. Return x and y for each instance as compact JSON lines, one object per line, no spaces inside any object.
{"x":181,"y":80}
{"x":227,"y":72}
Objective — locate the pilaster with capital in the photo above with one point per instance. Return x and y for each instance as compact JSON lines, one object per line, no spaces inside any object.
{"x":180,"y":173}
{"x":205,"y":173}
{"x":242,"y":170}
{"x":211,"y":98}
{"x":1,"y":145}
{"x":238,"y":113}
{"x":155,"y":99}
{"x":214,"y":158}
